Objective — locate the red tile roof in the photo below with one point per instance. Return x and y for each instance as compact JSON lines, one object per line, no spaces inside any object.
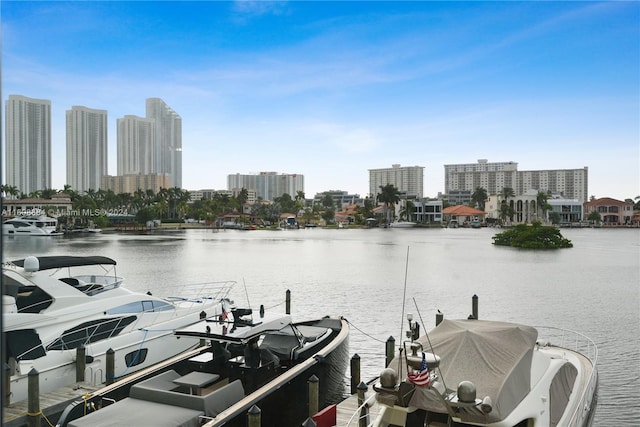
{"x":605,"y":201}
{"x":462,"y":210}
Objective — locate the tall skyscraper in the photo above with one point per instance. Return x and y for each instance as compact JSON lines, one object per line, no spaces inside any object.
{"x":86,"y":148}
{"x":28,"y":143}
{"x":136,"y":154}
{"x":168,"y":140}
{"x":407,"y":179}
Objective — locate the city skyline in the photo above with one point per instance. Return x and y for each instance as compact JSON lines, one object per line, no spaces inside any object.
{"x":331,"y":91}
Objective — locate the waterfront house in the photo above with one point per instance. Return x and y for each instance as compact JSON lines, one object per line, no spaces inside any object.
{"x":612,"y":211}
{"x":463,"y":215}
{"x":57,"y":205}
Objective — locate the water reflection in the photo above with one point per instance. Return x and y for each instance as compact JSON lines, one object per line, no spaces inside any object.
{"x":363,"y":275}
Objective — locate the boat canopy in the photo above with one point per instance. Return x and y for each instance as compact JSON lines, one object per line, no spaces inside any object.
{"x":238,"y":330}
{"x":52,"y":262}
{"x":495,"y":356}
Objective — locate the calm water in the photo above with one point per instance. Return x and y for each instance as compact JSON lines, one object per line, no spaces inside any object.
{"x":593,"y":288}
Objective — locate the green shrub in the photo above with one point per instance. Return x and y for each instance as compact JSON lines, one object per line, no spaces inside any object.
{"x":535,"y":236}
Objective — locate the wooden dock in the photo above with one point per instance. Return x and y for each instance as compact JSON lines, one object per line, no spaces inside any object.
{"x":346,"y":409}
{"x":51,"y":404}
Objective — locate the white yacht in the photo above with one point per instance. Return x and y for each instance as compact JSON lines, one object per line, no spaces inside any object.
{"x":31,"y":226}
{"x":480,"y":373}
{"x":54,"y":305}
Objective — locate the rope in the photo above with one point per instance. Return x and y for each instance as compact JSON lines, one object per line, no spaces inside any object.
{"x":274,"y":306}
{"x":31,"y":414}
{"x":135,"y":358}
{"x":364,"y":333}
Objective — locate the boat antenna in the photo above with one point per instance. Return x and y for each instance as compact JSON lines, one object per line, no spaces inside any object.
{"x":428,"y":340}
{"x":404,"y":292}
{"x":245,"y":291}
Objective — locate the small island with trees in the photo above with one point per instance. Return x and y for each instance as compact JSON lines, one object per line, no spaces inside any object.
{"x":534,"y":236}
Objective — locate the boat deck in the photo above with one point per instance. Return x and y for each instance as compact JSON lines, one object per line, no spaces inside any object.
{"x":51,"y":404}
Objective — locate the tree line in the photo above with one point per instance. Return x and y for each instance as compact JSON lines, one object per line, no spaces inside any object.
{"x":173,"y":204}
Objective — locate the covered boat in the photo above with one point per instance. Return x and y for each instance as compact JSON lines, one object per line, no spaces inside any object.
{"x":489,"y":373}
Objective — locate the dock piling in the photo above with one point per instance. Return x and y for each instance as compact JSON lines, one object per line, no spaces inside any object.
{"x":355,"y":373}
{"x":6,"y":394}
{"x":254,"y":416}
{"x":288,"y":302}
{"x":363,"y":420}
{"x":81,"y":363}
{"x":390,"y":351}
{"x":33,"y":394}
{"x":314,"y":395}
{"x":474,"y":306}
{"x":111,"y":366}
{"x":439,"y":317}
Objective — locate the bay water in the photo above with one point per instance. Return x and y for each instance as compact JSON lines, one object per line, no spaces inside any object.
{"x":375,"y":277}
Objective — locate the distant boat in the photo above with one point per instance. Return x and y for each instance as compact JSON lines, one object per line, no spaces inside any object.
{"x":31,"y":226}
{"x":402,"y":224}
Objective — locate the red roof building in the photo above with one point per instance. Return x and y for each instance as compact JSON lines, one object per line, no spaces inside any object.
{"x":463,"y":214}
{"x":612,"y":211}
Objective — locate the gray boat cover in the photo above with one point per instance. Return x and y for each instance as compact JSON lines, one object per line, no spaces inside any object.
{"x":495,"y":356}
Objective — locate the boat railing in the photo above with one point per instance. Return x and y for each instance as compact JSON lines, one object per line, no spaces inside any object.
{"x":579,"y":343}
{"x":569,"y":339}
{"x":108,"y":281}
{"x":195,"y":291}
{"x":85,"y":336}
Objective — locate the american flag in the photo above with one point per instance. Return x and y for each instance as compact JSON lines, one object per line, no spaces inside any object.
{"x":421,"y":377}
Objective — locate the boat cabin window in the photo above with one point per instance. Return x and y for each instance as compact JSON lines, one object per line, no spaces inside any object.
{"x":560,"y":391}
{"x":141,"y":307}
{"x":24,"y":344}
{"x":90,"y":332}
{"x":18,"y":224}
{"x":32,"y":299}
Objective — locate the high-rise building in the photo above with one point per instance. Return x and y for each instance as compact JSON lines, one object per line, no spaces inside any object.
{"x":136,"y":154}
{"x":28,"y":143}
{"x":132,"y":183}
{"x":86,"y":148}
{"x":267,"y":185}
{"x":409,"y":180}
{"x":168,"y":140}
{"x":494,"y":177}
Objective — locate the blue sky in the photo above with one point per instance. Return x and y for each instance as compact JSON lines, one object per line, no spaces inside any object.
{"x":332,"y":89}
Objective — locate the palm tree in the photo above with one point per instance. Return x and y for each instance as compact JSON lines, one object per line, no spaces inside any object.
{"x":479,"y":197}
{"x":48,"y":193}
{"x":367,"y":209}
{"x":389,"y":195}
{"x":506,"y":193}
{"x":11,"y":190}
{"x":542,"y":203}
{"x":243,"y":196}
{"x":595,"y":217}
{"x":506,"y":211}
{"x":407,"y":211}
